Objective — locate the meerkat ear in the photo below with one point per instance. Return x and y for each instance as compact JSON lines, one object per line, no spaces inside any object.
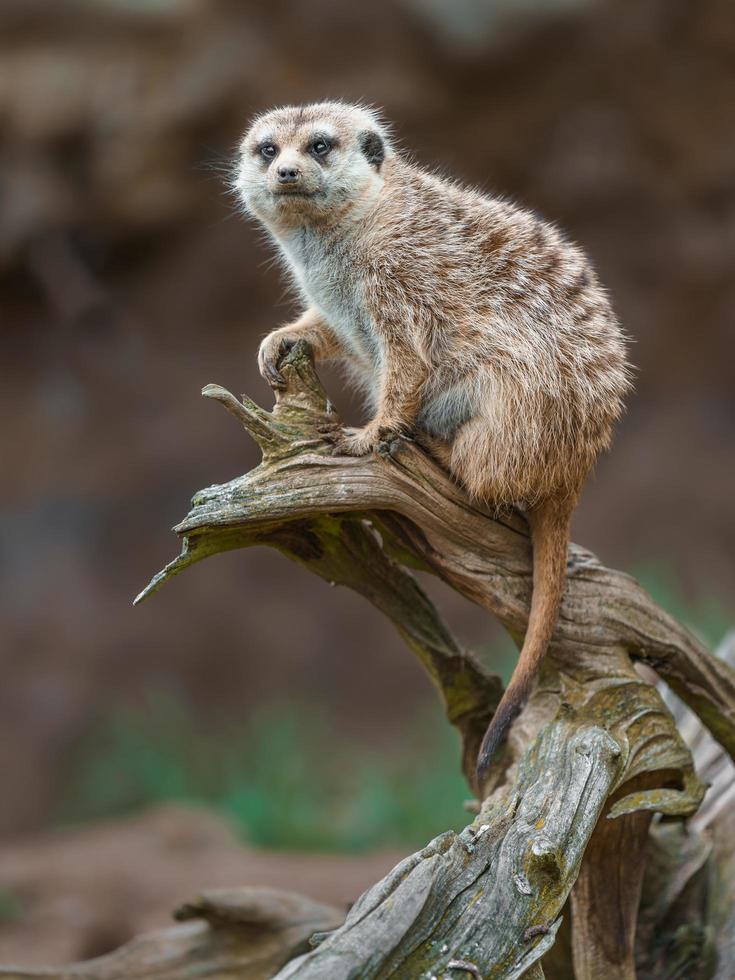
{"x":372,"y":146}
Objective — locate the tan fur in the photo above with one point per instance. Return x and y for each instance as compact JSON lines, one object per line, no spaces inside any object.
{"x":467,"y":321}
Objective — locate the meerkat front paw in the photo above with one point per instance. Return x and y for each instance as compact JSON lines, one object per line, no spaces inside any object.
{"x":272,"y":350}
{"x":360,"y":442}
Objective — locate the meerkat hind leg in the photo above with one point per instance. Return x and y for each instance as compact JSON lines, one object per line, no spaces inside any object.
{"x":481,"y":458}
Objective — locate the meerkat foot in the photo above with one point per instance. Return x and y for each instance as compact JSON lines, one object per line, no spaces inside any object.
{"x":354,"y":442}
{"x":361,"y":442}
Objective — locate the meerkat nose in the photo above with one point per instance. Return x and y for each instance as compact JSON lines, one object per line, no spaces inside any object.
{"x":288,"y":175}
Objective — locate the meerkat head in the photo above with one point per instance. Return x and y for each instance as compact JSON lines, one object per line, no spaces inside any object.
{"x":310,"y":164}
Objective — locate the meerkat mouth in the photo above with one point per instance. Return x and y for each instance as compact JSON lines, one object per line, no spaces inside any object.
{"x":288,"y":193}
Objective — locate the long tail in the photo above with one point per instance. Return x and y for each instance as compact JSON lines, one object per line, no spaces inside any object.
{"x":549,"y":523}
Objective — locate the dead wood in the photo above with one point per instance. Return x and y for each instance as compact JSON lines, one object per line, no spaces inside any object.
{"x":593,"y":757}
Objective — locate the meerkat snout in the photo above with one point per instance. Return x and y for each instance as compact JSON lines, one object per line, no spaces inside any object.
{"x":289,"y":175}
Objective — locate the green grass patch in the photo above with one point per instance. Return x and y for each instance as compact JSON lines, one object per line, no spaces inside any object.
{"x":706,"y":615}
{"x":11,"y":907}
{"x":286,"y":777}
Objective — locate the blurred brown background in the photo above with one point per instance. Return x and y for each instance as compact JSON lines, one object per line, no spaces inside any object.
{"x":127,"y":282}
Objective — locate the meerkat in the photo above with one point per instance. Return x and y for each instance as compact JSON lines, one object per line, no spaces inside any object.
{"x":469,"y":323}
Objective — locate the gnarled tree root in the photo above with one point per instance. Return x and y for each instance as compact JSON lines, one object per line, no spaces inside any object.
{"x":593,"y":756}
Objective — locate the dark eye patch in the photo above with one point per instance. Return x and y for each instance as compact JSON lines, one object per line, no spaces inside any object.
{"x":267,"y":149}
{"x":320,"y":146}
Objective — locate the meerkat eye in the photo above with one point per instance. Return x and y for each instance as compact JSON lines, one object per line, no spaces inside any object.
{"x":268,"y":151}
{"x":320,"y":147}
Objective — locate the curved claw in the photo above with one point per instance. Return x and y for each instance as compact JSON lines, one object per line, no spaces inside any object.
{"x":329,"y":429}
{"x":269,"y":361}
{"x":274,"y":377}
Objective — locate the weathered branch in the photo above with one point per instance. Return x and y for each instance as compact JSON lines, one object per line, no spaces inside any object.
{"x":486,"y":901}
{"x":506,"y":876}
{"x":686,"y":924}
{"x":606,"y":896}
{"x":426,"y":521}
{"x":230,"y":934}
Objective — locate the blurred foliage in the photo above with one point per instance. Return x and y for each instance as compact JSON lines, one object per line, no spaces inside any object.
{"x":11,"y":907}
{"x":285,"y":777}
{"x":706,"y":614}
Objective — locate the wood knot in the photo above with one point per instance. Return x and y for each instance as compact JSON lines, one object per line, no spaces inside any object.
{"x":543,"y":857}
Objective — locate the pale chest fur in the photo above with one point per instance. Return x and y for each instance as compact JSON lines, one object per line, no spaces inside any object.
{"x":325,"y":272}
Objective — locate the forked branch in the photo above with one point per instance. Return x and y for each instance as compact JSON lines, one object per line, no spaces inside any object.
{"x":595,"y":743}
{"x":422,"y":519}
